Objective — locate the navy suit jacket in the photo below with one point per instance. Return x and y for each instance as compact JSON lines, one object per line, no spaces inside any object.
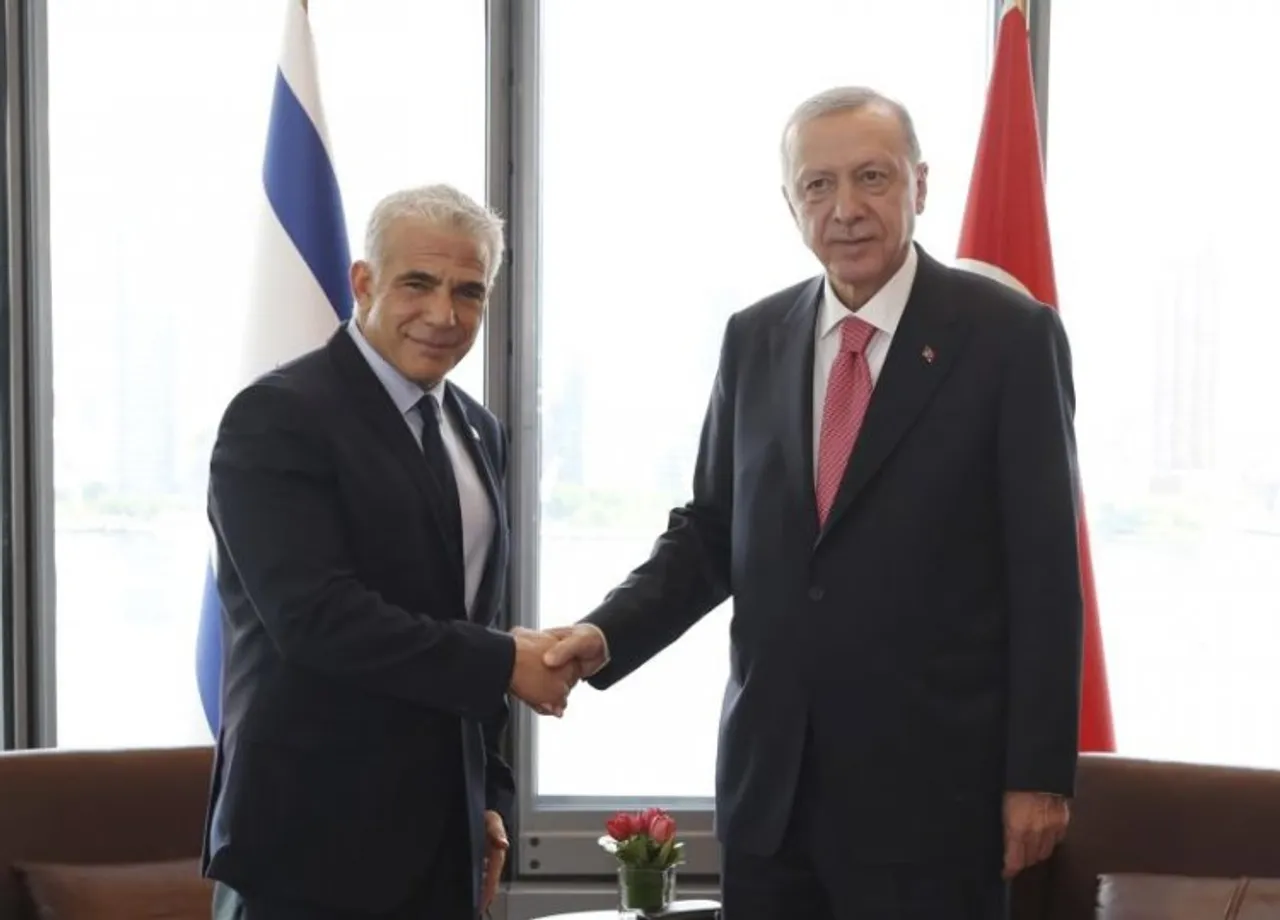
{"x":360,"y":702}
{"x":923,"y":647}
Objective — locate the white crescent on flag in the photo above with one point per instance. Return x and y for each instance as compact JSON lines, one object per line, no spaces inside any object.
{"x":994,"y":272}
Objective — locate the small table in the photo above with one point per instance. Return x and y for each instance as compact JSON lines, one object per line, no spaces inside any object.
{"x":679,"y":910}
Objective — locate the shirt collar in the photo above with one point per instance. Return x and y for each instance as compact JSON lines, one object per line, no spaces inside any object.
{"x":403,"y":392}
{"x":883,"y":310}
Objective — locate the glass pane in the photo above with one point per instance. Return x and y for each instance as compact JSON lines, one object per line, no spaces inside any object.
{"x":157,"y":120}
{"x":662,"y":214}
{"x":1172,"y":313}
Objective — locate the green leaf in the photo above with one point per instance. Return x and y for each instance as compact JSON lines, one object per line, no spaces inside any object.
{"x":634,"y":850}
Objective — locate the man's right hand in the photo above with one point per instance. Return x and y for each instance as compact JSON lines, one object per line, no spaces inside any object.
{"x":582,"y":644}
{"x":544,"y":688}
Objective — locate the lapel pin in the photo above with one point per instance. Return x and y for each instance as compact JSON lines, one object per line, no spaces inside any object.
{"x":928,"y":354}
{"x":475,"y":435}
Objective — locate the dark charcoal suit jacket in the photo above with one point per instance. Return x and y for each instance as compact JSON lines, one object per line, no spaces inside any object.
{"x":926,"y":642}
{"x":360,"y":703}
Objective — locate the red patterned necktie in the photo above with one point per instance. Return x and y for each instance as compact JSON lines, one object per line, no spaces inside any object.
{"x":848,"y":393}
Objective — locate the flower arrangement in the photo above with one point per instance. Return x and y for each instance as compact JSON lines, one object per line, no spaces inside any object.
{"x":644,"y":844}
{"x":643,"y":840}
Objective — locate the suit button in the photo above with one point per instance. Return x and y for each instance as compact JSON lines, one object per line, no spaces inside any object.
{"x":815,"y":593}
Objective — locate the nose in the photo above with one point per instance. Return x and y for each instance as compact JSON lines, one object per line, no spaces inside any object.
{"x":849,"y":204}
{"x":437,"y":308}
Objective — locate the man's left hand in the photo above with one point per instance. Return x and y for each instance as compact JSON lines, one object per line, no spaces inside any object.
{"x":496,"y":846}
{"x":1034,"y":823}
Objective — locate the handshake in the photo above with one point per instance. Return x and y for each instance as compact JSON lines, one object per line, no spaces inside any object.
{"x":550,"y":662}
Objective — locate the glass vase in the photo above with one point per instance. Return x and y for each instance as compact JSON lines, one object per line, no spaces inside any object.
{"x":644,"y":892}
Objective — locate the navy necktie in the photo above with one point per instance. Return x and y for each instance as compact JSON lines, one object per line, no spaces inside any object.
{"x":441,"y":468}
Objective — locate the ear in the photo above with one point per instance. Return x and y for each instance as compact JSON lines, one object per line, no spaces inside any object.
{"x":362,"y":285}
{"x":922,"y":186}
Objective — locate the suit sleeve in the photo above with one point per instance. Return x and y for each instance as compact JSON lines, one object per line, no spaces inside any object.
{"x":273,"y":503}
{"x":687,"y":573}
{"x":1039,"y":494}
{"x":499,"y":778}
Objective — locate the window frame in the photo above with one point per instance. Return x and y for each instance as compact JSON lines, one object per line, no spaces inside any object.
{"x":26,"y":569}
{"x":557,"y":837}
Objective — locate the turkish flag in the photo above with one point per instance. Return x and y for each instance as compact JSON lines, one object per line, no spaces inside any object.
{"x":1005,"y":235}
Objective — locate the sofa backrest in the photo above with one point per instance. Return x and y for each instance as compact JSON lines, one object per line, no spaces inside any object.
{"x":1136,"y":816}
{"x":1128,"y":816}
{"x":98,"y":807}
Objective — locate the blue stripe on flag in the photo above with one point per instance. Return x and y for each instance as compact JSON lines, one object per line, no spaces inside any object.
{"x":303,"y":191}
{"x":209,"y":650}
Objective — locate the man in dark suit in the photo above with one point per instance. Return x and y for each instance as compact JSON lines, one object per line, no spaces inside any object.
{"x":362,"y":548}
{"x":886,"y":486}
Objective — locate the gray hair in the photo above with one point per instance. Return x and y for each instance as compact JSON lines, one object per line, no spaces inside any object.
{"x":441,"y":206}
{"x":845,"y":99}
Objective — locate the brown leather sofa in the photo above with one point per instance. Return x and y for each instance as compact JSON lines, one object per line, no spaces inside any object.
{"x":130,"y":809}
{"x":1142,"y":817}
{"x":143,"y":810}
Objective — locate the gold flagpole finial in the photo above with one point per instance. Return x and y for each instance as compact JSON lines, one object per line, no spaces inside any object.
{"x":304,"y":5}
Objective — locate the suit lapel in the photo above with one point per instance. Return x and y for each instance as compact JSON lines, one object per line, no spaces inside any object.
{"x":929,"y":336}
{"x":486,"y":601}
{"x":378,"y":410}
{"x":791,"y":348}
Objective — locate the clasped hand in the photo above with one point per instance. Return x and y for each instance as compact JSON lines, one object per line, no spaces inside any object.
{"x":550,"y":662}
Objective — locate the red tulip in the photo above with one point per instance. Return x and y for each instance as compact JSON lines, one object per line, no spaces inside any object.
{"x":621,"y":826}
{"x":662,"y":827}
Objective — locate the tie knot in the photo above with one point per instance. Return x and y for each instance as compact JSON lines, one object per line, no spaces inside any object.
{"x":429,"y":408}
{"x":855,"y":333}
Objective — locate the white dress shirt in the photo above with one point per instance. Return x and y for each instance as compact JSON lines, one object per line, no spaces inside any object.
{"x":883,"y":311}
{"x":477,"y":513}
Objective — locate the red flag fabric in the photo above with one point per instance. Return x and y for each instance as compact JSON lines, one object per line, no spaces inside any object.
{"x":1005,"y":235}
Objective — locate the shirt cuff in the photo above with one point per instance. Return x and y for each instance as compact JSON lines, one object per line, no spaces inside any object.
{"x":604,"y":640}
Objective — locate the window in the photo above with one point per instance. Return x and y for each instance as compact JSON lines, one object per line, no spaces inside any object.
{"x":661,"y":214}
{"x":1162,"y":200}
{"x":157,"y":118}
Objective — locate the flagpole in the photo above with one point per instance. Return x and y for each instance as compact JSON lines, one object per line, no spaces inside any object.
{"x":1019,"y":5}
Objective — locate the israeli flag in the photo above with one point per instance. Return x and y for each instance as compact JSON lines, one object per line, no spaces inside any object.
{"x":299,"y":291}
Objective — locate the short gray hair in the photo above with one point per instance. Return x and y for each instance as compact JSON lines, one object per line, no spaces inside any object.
{"x":845,"y":99}
{"x":441,"y":206}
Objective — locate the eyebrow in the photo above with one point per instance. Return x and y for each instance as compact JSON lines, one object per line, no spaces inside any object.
{"x":471,"y":288}
{"x":858,"y":166}
{"x":417,"y":275}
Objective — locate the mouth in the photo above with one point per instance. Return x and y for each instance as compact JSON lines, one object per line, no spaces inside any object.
{"x":432,"y":346}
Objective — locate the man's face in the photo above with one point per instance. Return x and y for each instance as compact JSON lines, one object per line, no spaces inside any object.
{"x":855,"y":195}
{"x":421,"y":308}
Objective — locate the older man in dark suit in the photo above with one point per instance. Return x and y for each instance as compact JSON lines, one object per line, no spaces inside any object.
{"x":886,"y":486}
{"x":362,"y":540}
